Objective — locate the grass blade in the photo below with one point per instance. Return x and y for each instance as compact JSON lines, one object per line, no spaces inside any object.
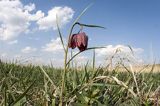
{"x":21,"y":96}
{"x":94,"y":59}
{"x":60,"y":35}
{"x":92,"y":26}
{"x":76,"y":20}
{"x":47,"y":76}
{"x":124,"y":85}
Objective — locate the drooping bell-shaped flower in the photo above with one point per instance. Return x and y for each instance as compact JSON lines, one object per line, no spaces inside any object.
{"x":79,"y":40}
{"x":82,"y":41}
{"x":72,"y":41}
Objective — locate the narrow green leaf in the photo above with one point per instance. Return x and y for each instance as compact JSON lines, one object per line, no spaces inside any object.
{"x":79,"y":104}
{"x":47,"y":76}
{"x":131,"y":49}
{"x":59,"y":32}
{"x":21,"y":96}
{"x":96,"y":72}
{"x":84,"y":99}
{"x":94,"y":58}
{"x":87,"y":73}
{"x":76,"y":20}
{"x":102,"y":84}
{"x":93,"y":26}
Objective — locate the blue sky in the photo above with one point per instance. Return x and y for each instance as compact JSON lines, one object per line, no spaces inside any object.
{"x":128,"y":22}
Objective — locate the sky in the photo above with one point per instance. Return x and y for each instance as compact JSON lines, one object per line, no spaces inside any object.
{"x":28,"y":31}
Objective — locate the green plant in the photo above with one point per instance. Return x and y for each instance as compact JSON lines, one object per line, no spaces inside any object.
{"x":66,"y":61}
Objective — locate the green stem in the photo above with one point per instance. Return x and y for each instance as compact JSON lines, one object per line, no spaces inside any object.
{"x":65,"y":67}
{"x":81,"y":52}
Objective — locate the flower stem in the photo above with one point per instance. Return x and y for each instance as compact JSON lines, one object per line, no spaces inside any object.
{"x":65,"y":67}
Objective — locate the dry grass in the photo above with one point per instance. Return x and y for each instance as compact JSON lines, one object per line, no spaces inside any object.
{"x":40,"y":86}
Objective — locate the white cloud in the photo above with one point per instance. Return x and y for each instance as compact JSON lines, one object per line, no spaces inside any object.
{"x":110,"y":50}
{"x":64,"y":14}
{"x":54,"y":46}
{"x":30,"y":7}
{"x":121,"y":51}
{"x":13,"y":42}
{"x":3,"y":55}
{"x":15,"y":18}
{"x":39,"y":14}
{"x":28,"y":50}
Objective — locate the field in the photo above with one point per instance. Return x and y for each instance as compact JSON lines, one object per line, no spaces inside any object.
{"x":117,"y":83}
{"x":86,"y":86}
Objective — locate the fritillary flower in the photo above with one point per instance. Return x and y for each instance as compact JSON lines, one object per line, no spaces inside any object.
{"x":79,"y":40}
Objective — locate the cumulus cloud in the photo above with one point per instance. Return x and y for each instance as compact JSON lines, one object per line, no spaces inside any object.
{"x":64,"y":15}
{"x":53,"y":46}
{"x":121,"y":51}
{"x":110,"y":50}
{"x":38,"y":15}
{"x":28,"y":49}
{"x":30,"y":7}
{"x":15,"y":18}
